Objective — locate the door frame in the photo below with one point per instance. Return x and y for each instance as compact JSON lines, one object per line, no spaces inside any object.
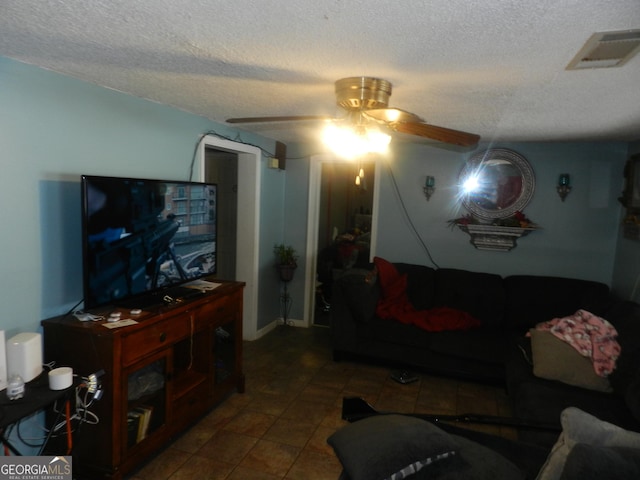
{"x":248,"y":230}
{"x":313,"y":220}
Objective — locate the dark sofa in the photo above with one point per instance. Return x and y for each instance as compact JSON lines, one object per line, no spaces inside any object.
{"x":497,"y":351}
{"x":541,"y":399}
{"x":395,"y":447}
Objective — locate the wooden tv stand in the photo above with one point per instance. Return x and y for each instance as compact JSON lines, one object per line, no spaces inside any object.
{"x":160,"y":375}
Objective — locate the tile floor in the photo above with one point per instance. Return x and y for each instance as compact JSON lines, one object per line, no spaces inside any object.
{"x":278,"y":428}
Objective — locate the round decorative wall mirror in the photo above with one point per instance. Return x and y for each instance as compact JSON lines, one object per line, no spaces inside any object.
{"x":496,"y":183}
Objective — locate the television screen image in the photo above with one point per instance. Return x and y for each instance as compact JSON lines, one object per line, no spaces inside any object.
{"x":144,"y":236}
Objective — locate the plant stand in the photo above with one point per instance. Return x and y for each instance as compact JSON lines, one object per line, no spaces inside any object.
{"x":286,"y":275}
{"x":285,"y":303}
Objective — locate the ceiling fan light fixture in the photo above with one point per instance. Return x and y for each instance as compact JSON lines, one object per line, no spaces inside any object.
{"x":355,"y":93}
{"x":355,"y":141}
{"x":366,"y":101}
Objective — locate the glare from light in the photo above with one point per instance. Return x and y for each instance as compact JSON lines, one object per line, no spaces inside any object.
{"x":347,"y":142}
{"x":378,"y":141}
{"x":393,"y":115}
{"x":471,"y":184}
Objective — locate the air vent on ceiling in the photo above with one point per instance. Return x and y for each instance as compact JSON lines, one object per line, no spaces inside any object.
{"x":607,"y":49}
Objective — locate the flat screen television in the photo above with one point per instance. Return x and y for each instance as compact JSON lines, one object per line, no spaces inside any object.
{"x":141,"y":238}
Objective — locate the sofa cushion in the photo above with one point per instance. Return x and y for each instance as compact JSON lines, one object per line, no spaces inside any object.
{"x":625,"y":379}
{"x":544,"y":400}
{"x":533,"y":299}
{"x":479,"y":294}
{"x":580,"y":427}
{"x":395,"y":305}
{"x":382,"y":447}
{"x":555,"y":359}
{"x":625,"y":316}
{"x":589,"y":462}
{"x":481,"y":345}
{"x":420,"y":284}
{"x":632,"y":393}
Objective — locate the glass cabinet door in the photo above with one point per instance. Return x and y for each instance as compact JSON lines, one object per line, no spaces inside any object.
{"x":146,"y":397}
{"x":224,"y":352}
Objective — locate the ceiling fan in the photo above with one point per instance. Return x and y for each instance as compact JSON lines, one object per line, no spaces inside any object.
{"x":366,"y":101}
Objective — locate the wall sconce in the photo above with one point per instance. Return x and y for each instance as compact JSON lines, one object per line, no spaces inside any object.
{"x":564,"y":185}
{"x":429,"y":186}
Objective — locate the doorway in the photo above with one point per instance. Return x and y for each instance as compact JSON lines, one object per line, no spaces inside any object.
{"x":247,"y":232}
{"x":344,"y":223}
{"x":221,"y":168}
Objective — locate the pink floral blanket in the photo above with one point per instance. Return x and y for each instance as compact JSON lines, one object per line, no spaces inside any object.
{"x":593,"y":337}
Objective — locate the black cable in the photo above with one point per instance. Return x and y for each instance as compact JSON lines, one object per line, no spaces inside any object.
{"x":19,"y":435}
{"x":73,"y":308}
{"x":224,"y":137}
{"x":406,"y":214}
{"x":237,"y":139}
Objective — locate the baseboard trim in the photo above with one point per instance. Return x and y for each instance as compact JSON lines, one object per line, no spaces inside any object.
{"x":278,"y":322}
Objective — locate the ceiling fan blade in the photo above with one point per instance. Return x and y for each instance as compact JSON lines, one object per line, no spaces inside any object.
{"x":389,"y":115}
{"x":285,"y":118}
{"x":446,"y":135}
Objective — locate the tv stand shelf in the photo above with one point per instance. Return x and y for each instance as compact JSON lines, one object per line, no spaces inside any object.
{"x":161,"y":374}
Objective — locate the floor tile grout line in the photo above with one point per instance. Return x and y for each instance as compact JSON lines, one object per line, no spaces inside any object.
{"x":312,"y":367}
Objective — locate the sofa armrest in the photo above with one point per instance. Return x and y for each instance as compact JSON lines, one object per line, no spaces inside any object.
{"x":353,"y":301}
{"x":543,"y":400}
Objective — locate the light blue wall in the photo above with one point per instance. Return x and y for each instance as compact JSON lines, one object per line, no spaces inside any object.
{"x":271,"y":231}
{"x":295,"y":229}
{"x":52,"y":130}
{"x":578,"y":237}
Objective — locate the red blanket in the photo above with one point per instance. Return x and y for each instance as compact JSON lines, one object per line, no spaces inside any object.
{"x":394,"y":304}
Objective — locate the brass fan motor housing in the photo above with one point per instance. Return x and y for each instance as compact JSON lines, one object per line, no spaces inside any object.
{"x":366,"y":100}
{"x":358,"y":93}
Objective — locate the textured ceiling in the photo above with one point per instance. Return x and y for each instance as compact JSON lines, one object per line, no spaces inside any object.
{"x":491,"y":67}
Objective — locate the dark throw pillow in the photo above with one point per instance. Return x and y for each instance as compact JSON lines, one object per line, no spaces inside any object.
{"x":473,"y":461}
{"x":390,"y":447}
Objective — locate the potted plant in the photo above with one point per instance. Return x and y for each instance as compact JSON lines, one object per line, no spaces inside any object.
{"x":286,"y":261}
